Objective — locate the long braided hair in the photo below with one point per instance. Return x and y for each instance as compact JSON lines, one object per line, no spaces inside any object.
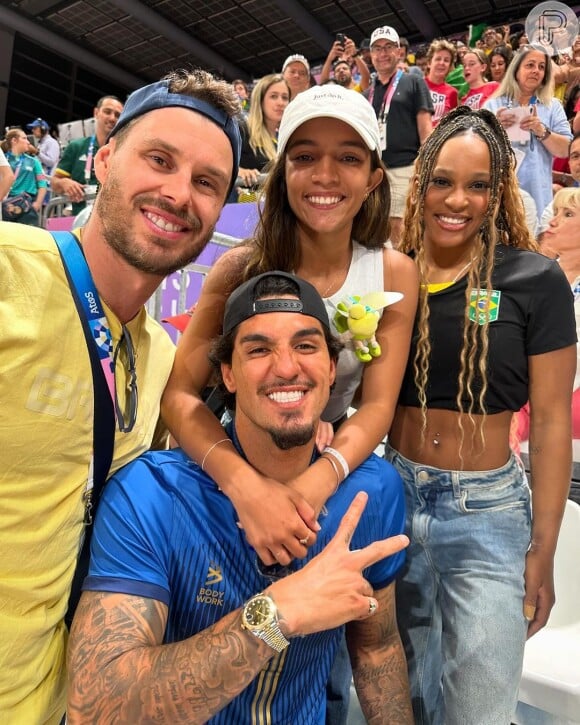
{"x":504,"y":224}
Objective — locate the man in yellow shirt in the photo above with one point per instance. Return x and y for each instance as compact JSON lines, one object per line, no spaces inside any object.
{"x":160,"y":198}
{"x":340,"y":59}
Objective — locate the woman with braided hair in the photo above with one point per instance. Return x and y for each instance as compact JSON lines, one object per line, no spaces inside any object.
{"x":494,"y":328}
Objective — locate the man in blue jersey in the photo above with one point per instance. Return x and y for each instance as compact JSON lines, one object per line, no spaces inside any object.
{"x":179,"y":620}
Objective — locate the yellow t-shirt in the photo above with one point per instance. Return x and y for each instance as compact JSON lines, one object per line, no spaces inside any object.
{"x":46,"y":414}
{"x":559,"y":92}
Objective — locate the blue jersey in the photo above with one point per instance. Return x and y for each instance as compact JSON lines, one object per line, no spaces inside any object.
{"x":164,"y":531}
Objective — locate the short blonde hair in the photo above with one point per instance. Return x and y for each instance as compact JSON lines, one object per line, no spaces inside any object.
{"x":440,"y":44}
{"x":569,"y":197}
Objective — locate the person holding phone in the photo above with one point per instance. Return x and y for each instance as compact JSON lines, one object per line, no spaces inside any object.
{"x":340,"y":59}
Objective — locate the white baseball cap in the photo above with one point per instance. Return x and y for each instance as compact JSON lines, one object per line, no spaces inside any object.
{"x":331,"y":101}
{"x":385,"y":32}
{"x":296,"y":58}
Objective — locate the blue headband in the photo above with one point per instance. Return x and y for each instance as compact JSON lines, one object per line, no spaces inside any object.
{"x":158,"y":95}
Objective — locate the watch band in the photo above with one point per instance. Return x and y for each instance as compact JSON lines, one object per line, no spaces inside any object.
{"x":272,"y":635}
{"x":545,"y":135}
{"x":261,"y":624}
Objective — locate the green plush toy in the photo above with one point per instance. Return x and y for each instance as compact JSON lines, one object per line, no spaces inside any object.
{"x":357,"y":319}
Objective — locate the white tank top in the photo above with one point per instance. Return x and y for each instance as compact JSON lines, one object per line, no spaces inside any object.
{"x":365,"y":275}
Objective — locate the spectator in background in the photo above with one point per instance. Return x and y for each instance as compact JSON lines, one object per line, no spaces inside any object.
{"x":475,"y":70}
{"x":498,"y":61}
{"x":573,"y":67}
{"x":560,"y":242}
{"x":48,"y":148}
{"x":343,"y":75}
{"x":243,"y":93}
{"x":75,"y":173}
{"x":404,"y":50}
{"x":365,"y":52}
{"x":269,"y":98}
{"x":421,"y":60}
{"x":456,"y":77}
{"x":441,"y":58}
{"x":462,"y":49}
{"x":572,"y":109}
{"x":575,"y":120}
{"x":28,"y":189}
{"x":296,"y":72}
{"x":340,"y":58}
{"x":524,"y":103}
{"x":402,"y":104}
{"x":518,"y":39}
{"x":567,"y":70}
{"x":561,"y":179}
{"x":489,"y":40}
{"x":6,"y":178}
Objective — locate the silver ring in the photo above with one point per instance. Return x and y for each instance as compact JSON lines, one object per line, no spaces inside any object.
{"x":304,"y":541}
{"x":372,"y":606}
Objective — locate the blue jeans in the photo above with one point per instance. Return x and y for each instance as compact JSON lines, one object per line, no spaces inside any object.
{"x":460,"y":598}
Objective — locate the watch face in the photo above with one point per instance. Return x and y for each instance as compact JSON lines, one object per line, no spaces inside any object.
{"x":258,"y":612}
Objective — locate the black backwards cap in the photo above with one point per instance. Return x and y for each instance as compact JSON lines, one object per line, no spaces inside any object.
{"x":242,"y":303}
{"x":157,"y":95}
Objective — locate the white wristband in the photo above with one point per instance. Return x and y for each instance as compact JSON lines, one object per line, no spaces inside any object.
{"x":339,"y":458}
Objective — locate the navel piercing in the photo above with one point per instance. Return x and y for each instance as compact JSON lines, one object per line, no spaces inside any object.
{"x":436,"y":440}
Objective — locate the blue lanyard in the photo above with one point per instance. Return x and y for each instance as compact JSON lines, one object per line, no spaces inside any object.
{"x":533,"y":102}
{"x":82,"y":280}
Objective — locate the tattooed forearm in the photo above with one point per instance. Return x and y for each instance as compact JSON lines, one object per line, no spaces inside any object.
{"x":382,"y":686}
{"x":119,"y":672}
{"x":379,"y":666}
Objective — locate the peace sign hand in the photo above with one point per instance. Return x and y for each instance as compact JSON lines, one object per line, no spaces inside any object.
{"x":331,"y":590}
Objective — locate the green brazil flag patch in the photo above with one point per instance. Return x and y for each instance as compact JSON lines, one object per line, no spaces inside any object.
{"x":482,"y":309}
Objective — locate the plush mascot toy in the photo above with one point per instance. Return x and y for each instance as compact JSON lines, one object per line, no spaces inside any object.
{"x":357,"y":319}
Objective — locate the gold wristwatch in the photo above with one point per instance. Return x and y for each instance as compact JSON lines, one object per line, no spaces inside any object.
{"x":260,"y":617}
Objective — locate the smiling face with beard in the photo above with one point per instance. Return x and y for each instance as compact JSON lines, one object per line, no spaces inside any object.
{"x":163,"y":189}
{"x":155,"y":257}
{"x":281,"y":373}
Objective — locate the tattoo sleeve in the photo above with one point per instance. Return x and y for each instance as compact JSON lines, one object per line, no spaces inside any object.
{"x":120,"y":672}
{"x":379,"y":665}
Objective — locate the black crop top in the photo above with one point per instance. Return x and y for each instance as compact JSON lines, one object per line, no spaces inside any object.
{"x":532,"y":313}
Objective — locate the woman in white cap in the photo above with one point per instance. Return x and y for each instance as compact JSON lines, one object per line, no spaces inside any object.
{"x":325,"y":217}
